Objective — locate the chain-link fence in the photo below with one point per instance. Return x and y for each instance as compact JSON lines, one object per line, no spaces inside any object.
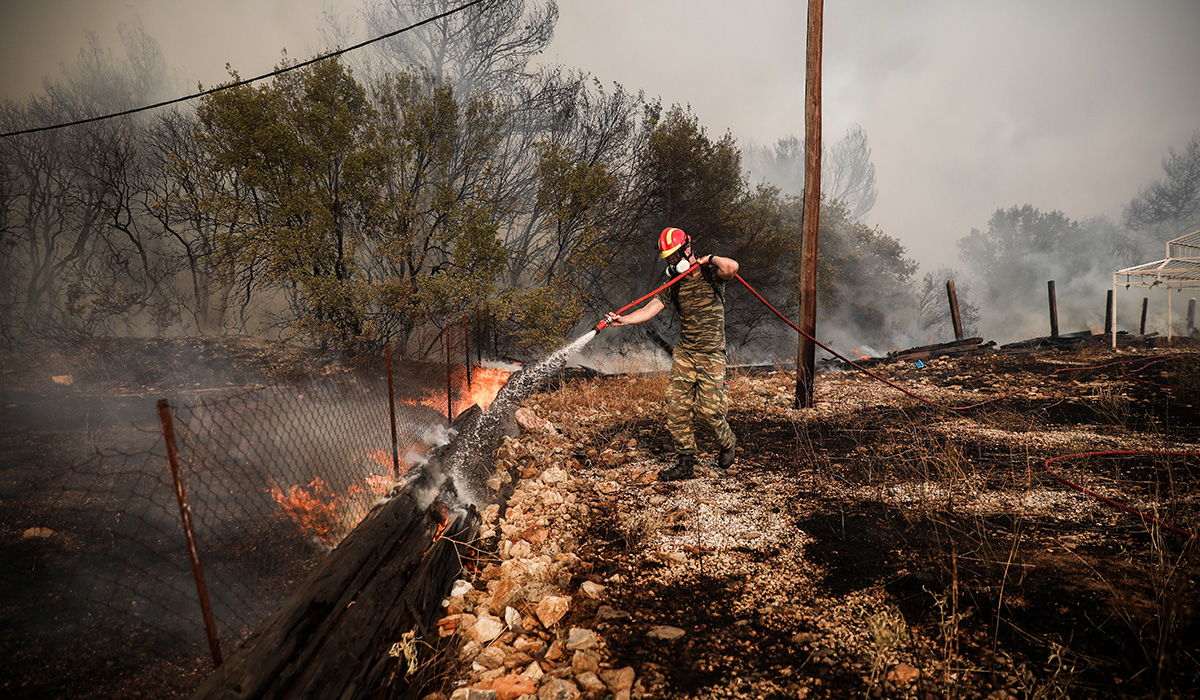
{"x":101,"y":595}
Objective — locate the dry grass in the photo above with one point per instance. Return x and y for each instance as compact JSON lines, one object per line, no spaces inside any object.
{"x":1001,"y":540}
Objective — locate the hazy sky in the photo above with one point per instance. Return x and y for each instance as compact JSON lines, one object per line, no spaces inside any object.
{"x":969,"y":106}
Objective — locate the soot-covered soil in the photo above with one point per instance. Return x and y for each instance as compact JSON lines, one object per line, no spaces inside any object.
{"x":96,"y":595}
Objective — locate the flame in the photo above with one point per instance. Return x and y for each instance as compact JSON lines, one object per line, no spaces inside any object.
{"x":313,"y":508}
{"x":442,"y":513}
{"x":378,"y":484}
{"x":382,"y":458}
{"x":486,"y":382}
{"x":860,"y":355}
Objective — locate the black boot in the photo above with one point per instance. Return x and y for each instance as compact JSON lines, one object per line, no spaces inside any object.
{"x":726,"y":458}
{"x":685,"y":467}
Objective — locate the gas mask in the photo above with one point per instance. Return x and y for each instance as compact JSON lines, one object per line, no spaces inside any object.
{"x":680,"y":266}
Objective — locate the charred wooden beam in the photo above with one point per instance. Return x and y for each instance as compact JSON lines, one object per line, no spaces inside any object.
{"x":1053,"y":309}
{"x":1108,"y":312}
{"x":342,"y":633}
{"x":955,"y":318}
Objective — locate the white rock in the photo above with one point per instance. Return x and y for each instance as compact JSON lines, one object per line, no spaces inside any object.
{"x":593,"y":590}
{"x":558,"y":689}
{"x":590,"y":682}
{"x":579,"y":638}
{"x":531,"y":423}
{"x":618,"y":680}
{"x":473,"y":694}
{"x":486,"y":628}
{"x":520,"y":549}
{"x":553,"y":475}
{"x":608,"y":488}
{"x":460,"y":588}
{"x":490,"y":658}
{"x":552,"y":608}
{"x":534,"y":672}
{"x":665,"y":632}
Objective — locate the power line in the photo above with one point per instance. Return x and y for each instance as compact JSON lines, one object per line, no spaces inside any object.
{"x":247,"y":81}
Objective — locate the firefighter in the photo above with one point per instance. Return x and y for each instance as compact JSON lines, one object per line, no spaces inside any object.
{"x":696,"y":391}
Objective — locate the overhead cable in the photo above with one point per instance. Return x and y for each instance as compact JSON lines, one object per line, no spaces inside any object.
{"x":247,"y":81}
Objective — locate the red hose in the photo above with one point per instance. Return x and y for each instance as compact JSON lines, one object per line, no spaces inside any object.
{"x":601,"y":326}
{"x":1111,"y":502}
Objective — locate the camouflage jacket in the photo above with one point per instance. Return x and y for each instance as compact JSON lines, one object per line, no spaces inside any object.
{"x":700,"y":302}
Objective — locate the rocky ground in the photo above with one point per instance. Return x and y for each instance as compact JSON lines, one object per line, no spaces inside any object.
{"x":873,"y":546}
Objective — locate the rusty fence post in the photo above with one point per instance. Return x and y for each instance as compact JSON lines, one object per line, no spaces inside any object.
{"x":449,"y":391}
{"x":392,"y":413}
{"x":1145,"y":305}
{"x":1053,"y":309}
{"x":467,"y":350}
{"x":189,"y":532}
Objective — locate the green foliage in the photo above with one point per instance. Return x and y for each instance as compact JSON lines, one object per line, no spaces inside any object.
{"x":537,"y":318}
{"x":689,"y":181}
{"x":296,"y":143}
{"x":376,"y":215}
{"x":575,"y":196}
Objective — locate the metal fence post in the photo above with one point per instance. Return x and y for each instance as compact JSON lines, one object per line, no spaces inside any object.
{"x":467,"y":353}
{"x":449,"y":391}
{"x":189,"y":533}
{"x":392,"y":413}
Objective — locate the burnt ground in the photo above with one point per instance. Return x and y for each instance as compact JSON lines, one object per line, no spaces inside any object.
{"x":96,"y":599}
{"x":874,"y":535}
{"x":854,"y":541}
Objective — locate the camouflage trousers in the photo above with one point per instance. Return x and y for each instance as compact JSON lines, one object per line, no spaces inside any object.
{"x":696,"y":393}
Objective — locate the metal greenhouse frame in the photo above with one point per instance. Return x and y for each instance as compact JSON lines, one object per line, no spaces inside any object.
{"x":1180,"y":269}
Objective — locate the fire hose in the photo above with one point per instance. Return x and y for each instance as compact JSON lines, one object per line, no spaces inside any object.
{"x":1147,"y":362}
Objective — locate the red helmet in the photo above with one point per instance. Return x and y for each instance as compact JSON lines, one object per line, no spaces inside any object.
{"x":671,"y":240}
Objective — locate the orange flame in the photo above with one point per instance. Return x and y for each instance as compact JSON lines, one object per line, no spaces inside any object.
{"x":314,"y":509}
{"x":486,"y":382}
{"x":378,"y":484}
{"x":442,"y":513}
{"x":860,"y":355}
{"x":382,"y":458}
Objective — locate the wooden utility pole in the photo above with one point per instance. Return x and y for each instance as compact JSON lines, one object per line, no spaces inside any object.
{"x":806,"y":352}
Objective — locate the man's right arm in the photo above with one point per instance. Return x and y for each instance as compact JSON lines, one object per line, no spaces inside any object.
{"x":648,"y":311}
